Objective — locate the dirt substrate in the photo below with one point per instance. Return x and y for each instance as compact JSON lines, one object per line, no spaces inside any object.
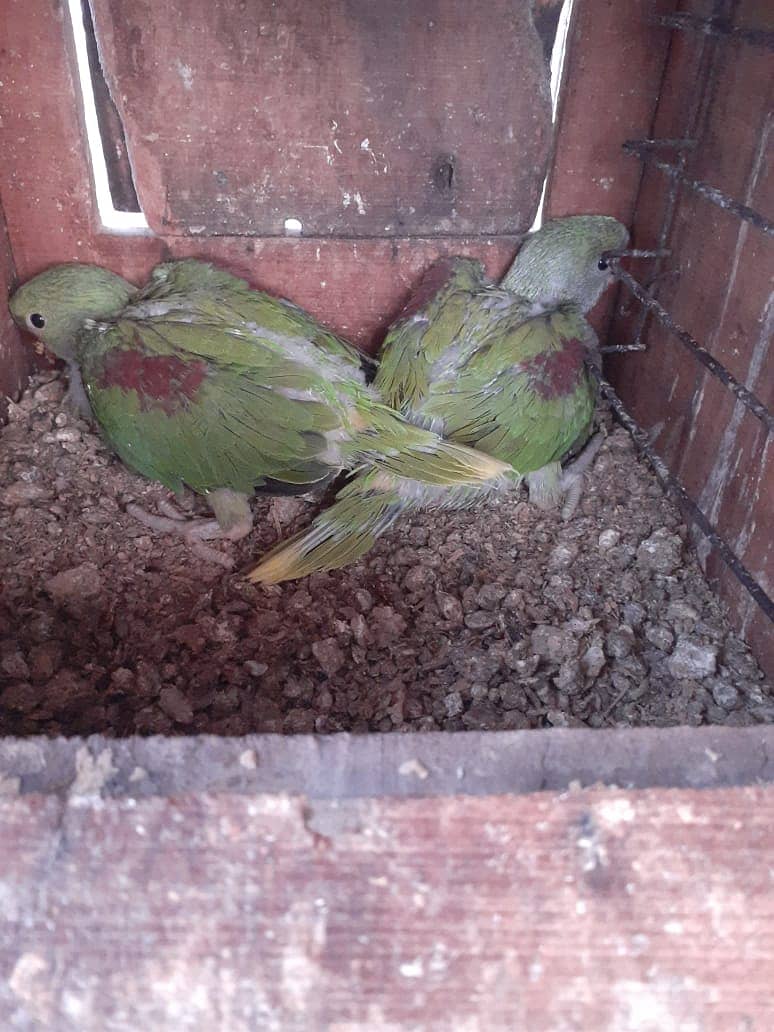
{"x":497,"y":618}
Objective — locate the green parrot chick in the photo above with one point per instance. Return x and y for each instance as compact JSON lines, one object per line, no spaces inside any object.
{"x":505,"y":368}
{"x":198,"y":381}
{"x":502,"y":369}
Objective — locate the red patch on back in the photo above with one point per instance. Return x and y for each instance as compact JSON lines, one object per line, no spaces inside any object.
{"x":160,"y":381}
{"x":436,"y":277}
{"x":556,"y":374}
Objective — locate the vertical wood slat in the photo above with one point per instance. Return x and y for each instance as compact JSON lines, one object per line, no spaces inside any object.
{"x":14,"y":358}
{"x":720,"y":290}
{"x":613,"y":69}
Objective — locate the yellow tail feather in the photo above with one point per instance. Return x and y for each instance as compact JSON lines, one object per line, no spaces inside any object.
{"x":368,"y":506}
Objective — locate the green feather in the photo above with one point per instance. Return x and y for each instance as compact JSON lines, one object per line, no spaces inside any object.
{"x":198,"y":380}
{"x":495,"y":368}
{"x":418,"y":340}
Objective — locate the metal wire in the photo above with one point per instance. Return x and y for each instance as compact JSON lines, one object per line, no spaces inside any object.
{"x":710,"y":193}
{"x":720,"y":27}
{"x":715,"y":31}
{"x":754,"y":404}
{"x":675,"y":489}
{"x":622,"y":349}
{"x":667,"y":144}
{"x":681,"y":146}
{"x":637,"y":252}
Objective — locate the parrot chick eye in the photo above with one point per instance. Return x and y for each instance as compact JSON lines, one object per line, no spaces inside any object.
{"x":36,"y":320}
{"x":603,"y":264}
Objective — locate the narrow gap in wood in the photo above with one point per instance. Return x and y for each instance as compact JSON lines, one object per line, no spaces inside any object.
{"x":111,"y":129}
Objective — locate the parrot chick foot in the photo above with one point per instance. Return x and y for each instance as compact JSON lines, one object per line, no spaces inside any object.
{"x":76,"y":400}
{"x":553,"y":486}
{"x":572,"y":480}
{"x":193,"y":532}
{"x":171,"y":511}
{"x":544,"y":486}
{"x":233,"y":517}
{"x":173,"y":522}
{"x":232,"y":511}
{"x":233,"y":521}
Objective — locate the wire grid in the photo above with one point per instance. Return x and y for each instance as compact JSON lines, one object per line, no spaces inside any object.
{"x":650,"y":151}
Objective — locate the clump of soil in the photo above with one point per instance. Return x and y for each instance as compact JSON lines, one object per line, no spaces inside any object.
{"x":501,"y":617}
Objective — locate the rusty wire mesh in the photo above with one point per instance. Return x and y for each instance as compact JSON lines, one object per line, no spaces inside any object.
{"x":648,"y":151}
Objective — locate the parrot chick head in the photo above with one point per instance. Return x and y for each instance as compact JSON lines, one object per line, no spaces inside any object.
{"x":54,"y":305}
{"x":565,"y":260}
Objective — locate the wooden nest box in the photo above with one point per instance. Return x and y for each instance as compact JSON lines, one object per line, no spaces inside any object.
{"x":329,"y":152}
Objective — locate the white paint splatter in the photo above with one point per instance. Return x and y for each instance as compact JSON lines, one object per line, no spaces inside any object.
{"x":413,"y":768}
{"x":355,"y":198}
{"x":185,"y":72}
{"x":30,"y":982}
{"x":614,"y":811}
{"x":91,"y":773}
{"x":323,"y":147}
{"x":413,"y":969}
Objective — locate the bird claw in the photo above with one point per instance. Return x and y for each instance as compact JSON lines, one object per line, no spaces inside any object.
{"x":572,"y":487}
{"x":572,"y":479}
{"x":171,"y":511}
{"x":193,"y":532}
{"x":211,"y":555}
{"x":584,"y":460}
{"x":76,"y":400}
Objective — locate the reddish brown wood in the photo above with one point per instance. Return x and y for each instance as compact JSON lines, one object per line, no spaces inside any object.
{"x":721,"y":94}
{"x":613,"y":70}
{"x":45,"y":180}
{"x":356,"y":287}
{"x":14,"y":358}
{"x":360,"y":119}
{"x":353,"y":286}
{"x":598,"y":909}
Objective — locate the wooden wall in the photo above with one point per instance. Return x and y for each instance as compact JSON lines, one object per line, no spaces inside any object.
{"x":428,"y":130}
{"x":14,"y":357}
{"x":395,"y":132}
{"x":222,"y":154}
{"x":718,"y":287}
{"x":604,"y":910}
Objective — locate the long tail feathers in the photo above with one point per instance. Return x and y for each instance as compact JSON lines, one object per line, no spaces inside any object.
{"x":424,"y":471}
{"x":337,"y":537}
{"x":392,"y":445}
{"x":362,"y":512}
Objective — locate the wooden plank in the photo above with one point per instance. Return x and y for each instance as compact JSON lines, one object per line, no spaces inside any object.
{"x":598,"y":909}
{"x":14,"y":357}
{"x":356,"y":287}
{"x":721,"y":292}
{"x":613,"y":69}
{"x":358,"y":119}
{"x":343,"y":766}
{"x":45,"y":178}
